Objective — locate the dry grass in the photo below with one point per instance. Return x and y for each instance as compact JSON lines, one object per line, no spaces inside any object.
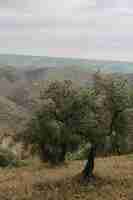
{"x":114,"y":181}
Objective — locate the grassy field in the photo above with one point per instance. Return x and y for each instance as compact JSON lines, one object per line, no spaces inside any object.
{"x":114,"y":181}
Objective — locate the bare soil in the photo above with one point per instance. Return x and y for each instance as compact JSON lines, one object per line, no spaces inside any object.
{"x":114,"y":181}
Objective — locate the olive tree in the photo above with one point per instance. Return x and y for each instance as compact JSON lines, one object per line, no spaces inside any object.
{"x":115,"y":91}
{"x":69,"y":116}
{"x":53,"y":128}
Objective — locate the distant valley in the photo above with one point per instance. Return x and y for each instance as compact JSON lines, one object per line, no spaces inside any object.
{"x":21,"y":78}
{"x":32,"y":62}
{"x":20,"y":67}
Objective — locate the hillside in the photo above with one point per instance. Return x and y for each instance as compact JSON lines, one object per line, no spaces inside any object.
{"x":15,"y":68}
{"x":21,"y":78}
{"x":11,"y":115}
{"x":33,"y":68}
{"x":114,"y":178}
{"x":32,"y":62}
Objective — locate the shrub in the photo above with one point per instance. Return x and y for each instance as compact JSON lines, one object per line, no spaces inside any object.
{"x":7,"y":158}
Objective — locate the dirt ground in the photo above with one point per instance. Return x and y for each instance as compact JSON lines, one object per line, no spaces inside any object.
{"x":37,"y":181}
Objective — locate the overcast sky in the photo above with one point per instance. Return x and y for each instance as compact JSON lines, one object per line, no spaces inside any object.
{"x":101,"y":29}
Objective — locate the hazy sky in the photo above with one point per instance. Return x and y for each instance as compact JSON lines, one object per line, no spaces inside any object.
{"x":101,"y":29}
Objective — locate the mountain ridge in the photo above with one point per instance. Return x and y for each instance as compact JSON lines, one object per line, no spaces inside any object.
{"x":33,"y":62}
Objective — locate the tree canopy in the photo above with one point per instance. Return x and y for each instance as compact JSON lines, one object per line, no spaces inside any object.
{"x":69,"y":116}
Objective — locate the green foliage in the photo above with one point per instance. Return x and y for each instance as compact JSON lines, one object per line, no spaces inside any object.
{"x":69,"y":115}
{"x":7,"y":158}
{"x":64,"y":120}
{"x":116,"y":100}
{"x":118,"y":95}
{"x":120,"y":102}
{"x":131,"y":95}
{"x":53,"y":127}
{"x":81,"y":154}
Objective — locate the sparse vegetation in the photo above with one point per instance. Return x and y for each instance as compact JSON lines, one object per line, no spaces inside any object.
{"x":114,"y":178}
{"x":65,"y":126}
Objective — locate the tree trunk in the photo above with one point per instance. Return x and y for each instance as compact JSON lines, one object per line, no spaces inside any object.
{"x":44,"y":153}
{"x":89,"y":167}
{"x":63,"y":153}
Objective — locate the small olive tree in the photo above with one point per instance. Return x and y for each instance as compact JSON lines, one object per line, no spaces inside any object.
{"x":53,"y":128}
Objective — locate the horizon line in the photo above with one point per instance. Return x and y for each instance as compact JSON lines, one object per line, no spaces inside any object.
{"x":73,"y":57}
